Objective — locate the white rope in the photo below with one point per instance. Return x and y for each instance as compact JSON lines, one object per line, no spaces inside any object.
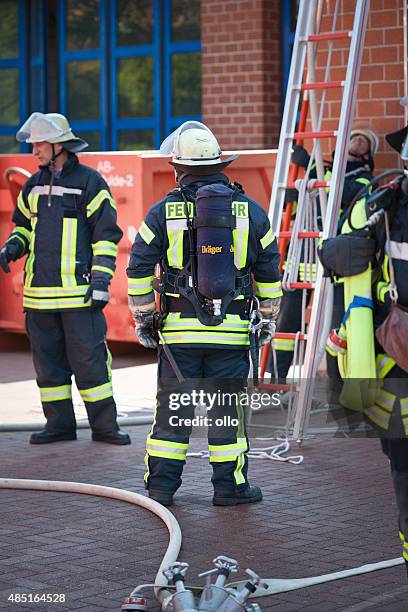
{"x":275,"y":452}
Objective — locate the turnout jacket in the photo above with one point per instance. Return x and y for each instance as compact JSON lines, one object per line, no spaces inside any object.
{"x":70,"y":238}
{"x":163,"y":238}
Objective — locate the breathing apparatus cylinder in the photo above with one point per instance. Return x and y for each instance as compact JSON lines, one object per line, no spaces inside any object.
{"x":214,"y":223}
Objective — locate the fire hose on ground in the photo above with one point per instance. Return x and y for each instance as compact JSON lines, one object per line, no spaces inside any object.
{"x":230,"y":597}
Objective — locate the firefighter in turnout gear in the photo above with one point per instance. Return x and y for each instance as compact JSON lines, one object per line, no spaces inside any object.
{"x":382,"y":254}
{"x":212,"y":242}
{"x":65,"y":222}
{"x":360,"y":164}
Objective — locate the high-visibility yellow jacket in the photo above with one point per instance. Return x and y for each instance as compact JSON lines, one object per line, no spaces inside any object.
{"x":70,"y":238}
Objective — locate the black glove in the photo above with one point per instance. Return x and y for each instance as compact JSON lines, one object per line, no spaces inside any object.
{"x":98,"y":294}
{"x":300,"y":156}
{"x":10,"y":252}
{"x":347,"y":254}
{"x":144,"y":329}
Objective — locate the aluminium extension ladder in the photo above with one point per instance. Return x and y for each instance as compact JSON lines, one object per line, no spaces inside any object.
{"x":305,"y":230}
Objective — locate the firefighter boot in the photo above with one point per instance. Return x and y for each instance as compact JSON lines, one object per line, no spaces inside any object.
{"x":112,"y":437}
{"x":249,"y":495}
{"x":46,"y":437}
{"x":165,"y":498}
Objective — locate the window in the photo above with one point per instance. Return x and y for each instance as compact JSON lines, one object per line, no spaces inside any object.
{"x":82,"y":68}
{"x":13,"y":76}
{"x":125,"y":72}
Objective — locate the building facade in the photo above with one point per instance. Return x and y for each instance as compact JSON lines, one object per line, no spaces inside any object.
{"x":127,"y":72}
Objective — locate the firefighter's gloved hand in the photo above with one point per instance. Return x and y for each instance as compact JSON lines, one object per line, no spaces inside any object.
{"x":144,"y":328}
{"x":347,"y":254}
{"x":9,"y":252}
{"x":98,"y":294}
{"x":269,"y":310}
{"x":267,"y":332}
{"x":300,"y":156}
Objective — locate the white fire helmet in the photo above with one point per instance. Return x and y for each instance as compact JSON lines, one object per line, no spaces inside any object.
{"x":193,"y":144}
{"x":50,"y":127}
{"x":371,"y":137}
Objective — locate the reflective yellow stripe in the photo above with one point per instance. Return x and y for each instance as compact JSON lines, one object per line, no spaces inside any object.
{"x":103,"y":269}
{"x":146,"y":233}
{"x":37,"y":292}
{"x":283,"y":344}
{"x":22,"y":206}
{"x":22,"y":231}
{"x":68,"y":251}
{"x":95,"y":394}
{"x":381,"y":290}
{"x":146,"y":457}
{"x":267,"y":239}
{"x":233,"y":330}
{"x":206,"y":338}
{"x":100,"y":197}
{"x":104,"y":247}
{"x":175,"y":234}
{"x":54,"y":304}
{"x":307,"y":272}
{"x":228,"y":324}
{"x":166,"y":449}
{"x":14,"y":236}
{"x":227,"y":452}
{"x":238,"y":475}
{"x":384,"y":365}
{"x":140,"y":286}
{"x":241,"y":233}
{"x":269,"y":290}
{"x":108,"y":361}
{"x":385,"y":400}
{"x":379,"y":416}
{"x":385,"y":269}
{"x":54,"y":394}
{"x":29,"y":265}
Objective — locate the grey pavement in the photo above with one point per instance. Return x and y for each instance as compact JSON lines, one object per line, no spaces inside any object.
{"x":334,"y":511}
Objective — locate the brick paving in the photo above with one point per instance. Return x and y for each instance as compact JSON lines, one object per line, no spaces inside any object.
{"x":335,"y":511}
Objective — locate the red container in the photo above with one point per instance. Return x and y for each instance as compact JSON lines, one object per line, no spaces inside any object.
{"x":137,"y":181}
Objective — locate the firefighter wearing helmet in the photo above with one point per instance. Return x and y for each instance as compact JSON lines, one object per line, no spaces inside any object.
{"x":65,"y":223}
{"x":212,"y":243}
{"x":363,"y":146}
{"x":378,"y":251}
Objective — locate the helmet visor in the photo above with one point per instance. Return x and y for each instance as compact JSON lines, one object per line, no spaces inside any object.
{"x":42,"y":128}
{"x":170,"y":144}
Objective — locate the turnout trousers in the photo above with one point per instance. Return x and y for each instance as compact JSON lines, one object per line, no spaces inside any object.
{"x":72,"y":342}
{"x":215,"y":370}
{"x":394,"y":444}
{"x":397,"y":452}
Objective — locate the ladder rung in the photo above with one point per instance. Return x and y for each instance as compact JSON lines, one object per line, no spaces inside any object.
{"x":312,"y":184}
{"x":301,"y":285}
{"x":322,"y":85}
{"x":288,"y":234}
{"x":323,"y":134}
{"x":276,"y":387}
{"x":289,"y":336}
{"x":329,"y":36}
